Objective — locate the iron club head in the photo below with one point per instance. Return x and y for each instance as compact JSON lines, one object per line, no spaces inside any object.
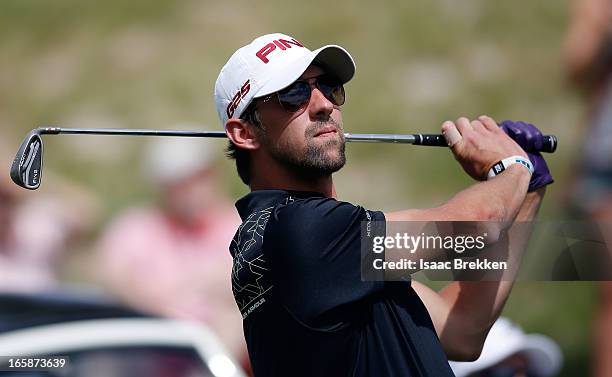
{"x":26,"y":170}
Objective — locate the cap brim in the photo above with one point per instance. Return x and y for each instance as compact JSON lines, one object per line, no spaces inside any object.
{"x":334,"y":59}
{"x":544,"y":355}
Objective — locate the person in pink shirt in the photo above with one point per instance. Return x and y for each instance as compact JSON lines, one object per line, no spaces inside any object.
{"x":171,"y":258}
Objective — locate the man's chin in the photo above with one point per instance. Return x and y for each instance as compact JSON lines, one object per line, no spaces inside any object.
{"x":316,"y":160}
{"x":335,"y":161}
{"x":331,"y":163}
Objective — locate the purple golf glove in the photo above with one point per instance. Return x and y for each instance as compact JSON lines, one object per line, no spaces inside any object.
{"x":528,"y":137}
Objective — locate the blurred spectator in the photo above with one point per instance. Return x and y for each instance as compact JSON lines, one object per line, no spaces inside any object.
{"x":588,"y":51}
{"x":172,"y":258}
{"x":36,"y":230}
{"x":509,"y":352}
{"x":603,"y":333}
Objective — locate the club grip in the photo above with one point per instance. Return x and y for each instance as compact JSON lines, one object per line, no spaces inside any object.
{"x":436,"y":140}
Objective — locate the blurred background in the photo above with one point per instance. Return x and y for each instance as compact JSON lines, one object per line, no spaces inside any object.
{"x":143,"y":64}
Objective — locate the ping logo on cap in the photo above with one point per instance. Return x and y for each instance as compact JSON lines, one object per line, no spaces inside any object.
{"x":244,"y":90}
{"x":283,"y":44}
{"x":268,"y":64}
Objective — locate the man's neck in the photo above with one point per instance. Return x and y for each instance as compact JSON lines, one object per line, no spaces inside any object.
{"x":322,"y":184}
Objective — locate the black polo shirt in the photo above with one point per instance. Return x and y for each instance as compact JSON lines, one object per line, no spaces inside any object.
{"x":297,"y":282}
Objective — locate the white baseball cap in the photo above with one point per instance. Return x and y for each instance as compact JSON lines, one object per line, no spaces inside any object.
{"x":271,"y":63}
{"x":170,"y":160}
{"x":544,"y":358}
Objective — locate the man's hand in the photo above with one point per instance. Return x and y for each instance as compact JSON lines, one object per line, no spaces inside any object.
{"x":529,"y":137}
{"x":479,"y":144}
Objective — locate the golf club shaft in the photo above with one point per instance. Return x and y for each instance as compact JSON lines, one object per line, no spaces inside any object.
{"x":375,"y":138}
{"x":129,"y":131}
{"x":550,"y":143}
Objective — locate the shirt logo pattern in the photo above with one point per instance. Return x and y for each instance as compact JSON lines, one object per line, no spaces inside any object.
{"x":249,"y":282}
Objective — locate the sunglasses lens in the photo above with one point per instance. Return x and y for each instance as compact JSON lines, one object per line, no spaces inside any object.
{"x":294,"y":97}
{"x":332,"y":89}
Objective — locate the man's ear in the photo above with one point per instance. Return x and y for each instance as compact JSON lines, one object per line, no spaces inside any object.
{"x":241,"y":134}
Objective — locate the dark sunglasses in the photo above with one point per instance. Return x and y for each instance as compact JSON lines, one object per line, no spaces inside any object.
{"x":296,"y":96}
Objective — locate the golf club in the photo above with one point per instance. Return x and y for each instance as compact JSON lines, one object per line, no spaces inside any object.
{"x":26,"y":169}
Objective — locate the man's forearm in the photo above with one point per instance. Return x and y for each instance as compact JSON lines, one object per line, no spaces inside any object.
{"x":486,"y":208}
{"x":499,"y":199}
{"x":474,"y":306}
{"x":494,"y":203}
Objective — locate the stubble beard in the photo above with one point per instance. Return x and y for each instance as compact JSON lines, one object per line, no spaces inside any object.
{"x":318,"y":159}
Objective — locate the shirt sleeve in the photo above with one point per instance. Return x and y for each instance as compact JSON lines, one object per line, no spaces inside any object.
{"x":315,"y":249}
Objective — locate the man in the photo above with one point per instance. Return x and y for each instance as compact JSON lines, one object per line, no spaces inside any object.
{"x":588,"y":62}
{"x":297,"y":261}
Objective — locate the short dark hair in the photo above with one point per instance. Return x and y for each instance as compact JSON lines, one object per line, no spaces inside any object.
{"x":243,"y":156}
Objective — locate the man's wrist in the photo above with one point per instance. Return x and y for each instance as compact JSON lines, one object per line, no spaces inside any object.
{"x":506,"y":163}
{"x":518,"y":174}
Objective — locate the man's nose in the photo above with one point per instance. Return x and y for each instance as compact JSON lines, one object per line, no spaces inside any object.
{"x":320,"y":108}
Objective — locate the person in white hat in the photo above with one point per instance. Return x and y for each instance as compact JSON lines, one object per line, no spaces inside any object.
{"x":168,"y":257}
{"x":296,"y":273}
{"x":509,"y":352}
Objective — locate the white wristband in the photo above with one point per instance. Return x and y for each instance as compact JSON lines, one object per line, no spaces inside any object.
{"x":506,"y":162}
